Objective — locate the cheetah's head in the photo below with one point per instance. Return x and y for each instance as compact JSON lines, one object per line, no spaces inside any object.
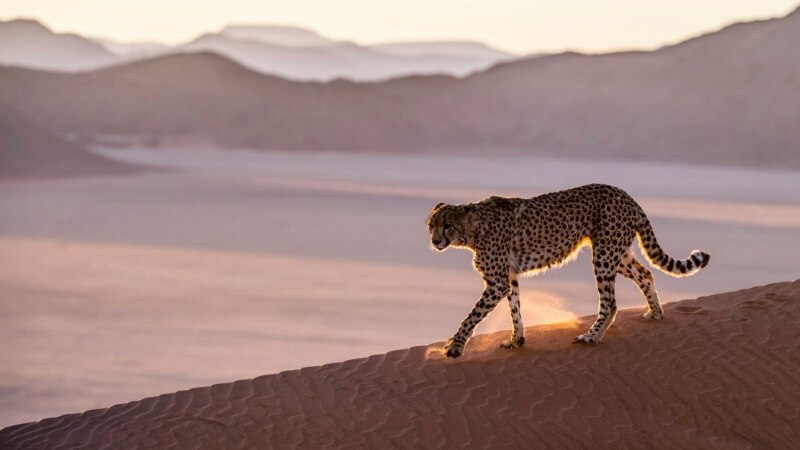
{"x":447,"y":225}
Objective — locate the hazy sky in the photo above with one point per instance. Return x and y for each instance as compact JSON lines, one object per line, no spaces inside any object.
{"x":521,"y":26}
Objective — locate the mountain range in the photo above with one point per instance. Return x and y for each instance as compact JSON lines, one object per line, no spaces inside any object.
{"x":27,"y":43}
{"x":289,"y":52}
{"x":730,"y":97}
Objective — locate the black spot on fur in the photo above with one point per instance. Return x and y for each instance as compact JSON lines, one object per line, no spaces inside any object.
{"x":706,"y":258}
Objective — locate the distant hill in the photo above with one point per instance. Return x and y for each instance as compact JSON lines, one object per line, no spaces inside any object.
{"x":451,"y":49}
{"x":28,"y":150}
{"x":346,"y":61}
{"x":27,"y":43}
{"x":731,"y":97}
{"x":299,"y":54}
{"x":126,"y":51}
{"x":286,"y":36}
{"x":289,"y":52}
{"x":301,"y":37}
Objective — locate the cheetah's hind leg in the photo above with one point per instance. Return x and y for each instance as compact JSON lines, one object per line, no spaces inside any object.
{"x":631,"y":269}
{"x":517,"y":334}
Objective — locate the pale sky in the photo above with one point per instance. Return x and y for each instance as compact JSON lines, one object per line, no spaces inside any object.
{"x":519,"y":26}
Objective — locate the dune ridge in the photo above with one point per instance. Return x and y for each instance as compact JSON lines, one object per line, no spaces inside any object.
{"x":719,"y":372}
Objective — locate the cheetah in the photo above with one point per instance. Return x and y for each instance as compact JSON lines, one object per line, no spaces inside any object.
{"x":512,"y":236}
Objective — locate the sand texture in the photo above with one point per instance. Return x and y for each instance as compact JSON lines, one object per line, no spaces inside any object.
{"x":721,"y":371}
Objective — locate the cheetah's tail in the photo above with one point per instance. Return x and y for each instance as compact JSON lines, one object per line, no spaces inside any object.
{"x":660,"y":260}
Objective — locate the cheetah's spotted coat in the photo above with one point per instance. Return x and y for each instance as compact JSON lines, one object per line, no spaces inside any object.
{"x":511,"y":236}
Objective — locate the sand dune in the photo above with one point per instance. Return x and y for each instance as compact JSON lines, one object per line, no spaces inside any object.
{"x":30,"y":150}
{"x":719,"y":372}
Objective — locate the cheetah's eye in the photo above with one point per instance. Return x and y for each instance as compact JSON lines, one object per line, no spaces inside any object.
{"x":447,"y":226}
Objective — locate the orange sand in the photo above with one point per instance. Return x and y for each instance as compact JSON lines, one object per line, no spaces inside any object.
{"x":719,"y":372}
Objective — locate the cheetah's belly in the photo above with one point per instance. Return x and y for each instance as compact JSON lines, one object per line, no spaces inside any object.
{"x":530,"y":260}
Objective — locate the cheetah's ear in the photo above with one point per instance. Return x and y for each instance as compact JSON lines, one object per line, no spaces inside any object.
{"x":435,"y":210}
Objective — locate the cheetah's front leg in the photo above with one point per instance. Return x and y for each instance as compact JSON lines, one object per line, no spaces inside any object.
{"x":496,"y":289}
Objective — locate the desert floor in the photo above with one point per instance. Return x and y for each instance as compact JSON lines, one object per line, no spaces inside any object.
{"x":234,"y":264}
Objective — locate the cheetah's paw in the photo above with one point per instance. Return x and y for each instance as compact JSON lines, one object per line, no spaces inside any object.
{"x":586,"y":338}
{"x":453,"y":349}
{"x":653,"y":314}
{"x":513,"y":343}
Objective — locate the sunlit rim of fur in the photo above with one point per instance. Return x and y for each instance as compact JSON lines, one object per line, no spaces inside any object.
{"x":675,"y":273}
{"x":585,"y":242}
